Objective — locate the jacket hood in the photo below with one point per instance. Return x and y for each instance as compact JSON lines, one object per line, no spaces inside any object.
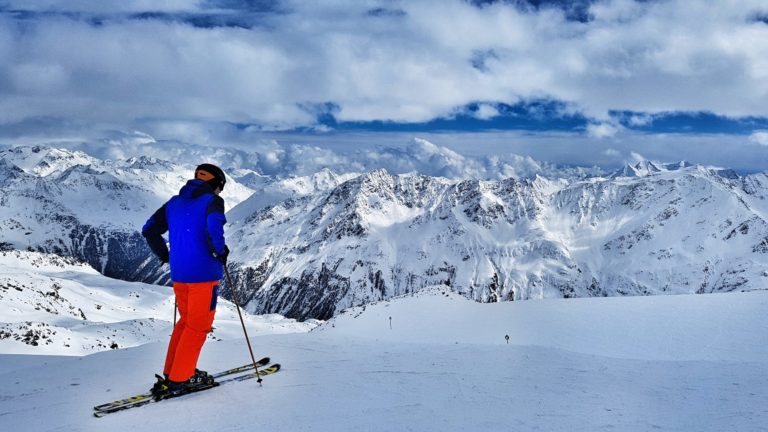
{"x":195,"y":188}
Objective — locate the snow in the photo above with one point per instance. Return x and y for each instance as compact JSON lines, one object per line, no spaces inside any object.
{"x":693,"y":363}
{"x":51,"y":305}
{"x":674,"y":362}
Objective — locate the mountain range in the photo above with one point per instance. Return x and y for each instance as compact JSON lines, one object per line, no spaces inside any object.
{"x":688,"y":229}
{"x":311,"y":246}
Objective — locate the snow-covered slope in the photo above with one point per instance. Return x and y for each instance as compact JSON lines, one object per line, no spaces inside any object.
{"x":718,"y":327}
{"x":664,"y":363}
{"x":271,"y":191}
{"x":684,"y":230}
{"x":58,"y":306}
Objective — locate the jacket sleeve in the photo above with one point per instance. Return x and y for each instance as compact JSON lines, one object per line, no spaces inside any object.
{"x":215,"y":220}
{"x":153,"y":231}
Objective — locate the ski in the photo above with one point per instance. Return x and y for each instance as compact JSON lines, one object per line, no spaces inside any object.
{"x":263,"y":372}
{"x":138,"y":398}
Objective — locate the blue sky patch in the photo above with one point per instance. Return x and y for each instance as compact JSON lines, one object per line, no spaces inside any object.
{"x":545,"y":115}
{"x":690,"y":122}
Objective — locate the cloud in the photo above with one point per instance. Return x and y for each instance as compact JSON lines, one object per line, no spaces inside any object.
{"x":636,"y":157}
{"x":759,"y":137}
{"x":486,"y":111}
{"x":187,"y":78}
{"x":640,"y":120}
{"x":126,"y":62}
{"x":489,"y":155}
{"x":132,"y":139}
{"x":603,"y":130}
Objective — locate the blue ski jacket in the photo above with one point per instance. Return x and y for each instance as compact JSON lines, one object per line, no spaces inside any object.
{"x":195,"y":221}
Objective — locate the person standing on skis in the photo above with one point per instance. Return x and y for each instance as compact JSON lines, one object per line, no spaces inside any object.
{"x":195,"y":221}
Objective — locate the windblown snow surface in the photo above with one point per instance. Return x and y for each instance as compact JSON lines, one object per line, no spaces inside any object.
{"x":669,"y":363}
{"x":51,"y":305}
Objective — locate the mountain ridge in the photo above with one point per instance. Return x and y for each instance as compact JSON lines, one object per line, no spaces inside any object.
{"x":311,"y":246}
{"x":689,"y":230}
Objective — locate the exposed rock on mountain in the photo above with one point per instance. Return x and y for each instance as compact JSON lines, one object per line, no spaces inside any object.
{"x":684,"y":230}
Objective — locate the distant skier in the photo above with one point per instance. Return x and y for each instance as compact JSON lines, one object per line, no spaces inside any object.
{"x":195,"y":221}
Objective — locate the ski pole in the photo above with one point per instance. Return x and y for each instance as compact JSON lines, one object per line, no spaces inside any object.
{"x":237,"y":304}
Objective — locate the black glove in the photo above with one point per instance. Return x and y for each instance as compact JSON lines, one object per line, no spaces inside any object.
{"x":163,"y":259}
{"x":222,"y":257}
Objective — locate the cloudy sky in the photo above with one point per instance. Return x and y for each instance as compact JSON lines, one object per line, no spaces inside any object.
{"x":569,"y":82}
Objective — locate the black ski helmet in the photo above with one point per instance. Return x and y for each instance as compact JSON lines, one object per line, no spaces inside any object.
{"x":212,"y":175}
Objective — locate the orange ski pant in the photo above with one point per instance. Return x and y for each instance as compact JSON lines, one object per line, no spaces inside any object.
{"x":197,"y":306}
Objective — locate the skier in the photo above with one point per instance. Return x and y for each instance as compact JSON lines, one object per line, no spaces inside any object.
{"x":195,"y":221}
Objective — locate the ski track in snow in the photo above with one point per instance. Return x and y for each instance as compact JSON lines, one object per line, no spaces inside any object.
{"x":447,"y":368}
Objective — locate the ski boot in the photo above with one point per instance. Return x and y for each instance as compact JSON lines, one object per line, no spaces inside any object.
{"x":165,"y":388}
{"x":201,"y":378}
{"x":161,"y":387}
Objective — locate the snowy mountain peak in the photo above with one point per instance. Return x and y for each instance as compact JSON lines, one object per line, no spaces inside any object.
{"x":148,"y":163}
{"x":643,"y":168}
{"x":727,"y":173}
{"x":646,"y":168}
{"x":10,"y":171}
{"x":677,"y":165}
{"x":43,"y":161}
